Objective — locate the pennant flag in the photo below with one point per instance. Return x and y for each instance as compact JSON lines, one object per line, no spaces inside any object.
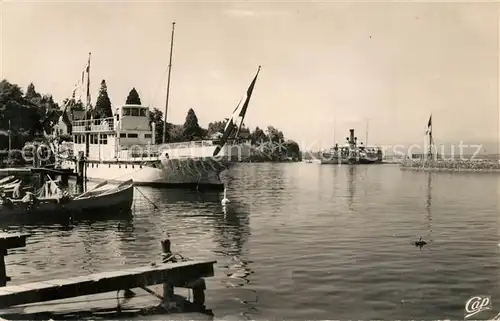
{"x":74,"y":91}
{"x":231,"y":120}
{"x":428,"y":131}
{"x":244,"y":108}
{"x":87,"y":69}
{"x":236,"y":118}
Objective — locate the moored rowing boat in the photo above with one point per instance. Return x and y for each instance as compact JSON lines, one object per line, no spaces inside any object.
{"x":119,"y":198}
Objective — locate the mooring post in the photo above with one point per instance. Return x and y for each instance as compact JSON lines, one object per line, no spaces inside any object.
{"x":168,"y":288}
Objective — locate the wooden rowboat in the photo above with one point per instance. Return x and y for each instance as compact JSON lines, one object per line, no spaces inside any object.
{"x":119,"y":198}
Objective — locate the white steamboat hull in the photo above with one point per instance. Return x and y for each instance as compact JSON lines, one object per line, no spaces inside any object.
{"x":167,"y":173}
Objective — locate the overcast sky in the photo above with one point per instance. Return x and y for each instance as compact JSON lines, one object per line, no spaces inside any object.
{"x":389,"y":63}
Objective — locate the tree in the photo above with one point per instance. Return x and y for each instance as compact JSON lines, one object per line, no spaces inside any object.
{"x":31,"y":92}
{"x":274,"y":135}
{"x":27,"y":118}
{"x":216,"y":127}
{"x":191,"y":129}
{"x":133,"y":98}
{"x":258,"y":136}
{"x":293,"y":150}
{"x":74,"y":104}
{"x":175,"y":133}
{"x":156,"y":117}
{"x":103,"y":104}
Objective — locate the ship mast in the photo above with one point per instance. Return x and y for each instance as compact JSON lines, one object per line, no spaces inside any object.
{"x":366,"y":137}
{"x":87,"y":109}
{"x":431,"y":141}
{"x":168,"y":83}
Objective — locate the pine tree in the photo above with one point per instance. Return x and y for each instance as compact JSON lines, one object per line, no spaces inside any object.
{"x":103,"y":104}
{"x":191,"y":128}
{"x":133,"y":98}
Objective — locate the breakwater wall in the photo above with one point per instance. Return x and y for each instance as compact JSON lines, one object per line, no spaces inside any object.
{"x":489,"y":166}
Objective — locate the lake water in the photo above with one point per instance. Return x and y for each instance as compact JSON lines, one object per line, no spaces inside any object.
{"x":303,"y":241}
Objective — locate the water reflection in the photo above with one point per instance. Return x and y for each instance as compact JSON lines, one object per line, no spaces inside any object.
{"x":64,"y":221}
{"x":351,"y":186}
{"x":429,"y":206}
{"x":190,"y":196}
{"x":232,"y":228}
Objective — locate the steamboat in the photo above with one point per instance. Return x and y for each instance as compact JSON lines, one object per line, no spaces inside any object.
{"x":120,"y":148}
{"x":352,"y":153}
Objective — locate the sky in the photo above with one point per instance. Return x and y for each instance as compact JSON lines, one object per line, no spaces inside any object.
{"x":326,"y":66}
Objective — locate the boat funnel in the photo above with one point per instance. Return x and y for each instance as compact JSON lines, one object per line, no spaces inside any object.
{"x":351,"y":136}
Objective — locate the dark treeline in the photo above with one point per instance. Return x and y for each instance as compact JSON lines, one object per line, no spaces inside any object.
{"x":33,"y":115}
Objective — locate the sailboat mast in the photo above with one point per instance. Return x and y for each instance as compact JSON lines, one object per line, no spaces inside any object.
{"x":168,"y":83}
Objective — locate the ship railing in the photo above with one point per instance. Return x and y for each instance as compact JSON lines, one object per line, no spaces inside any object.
{"x":94,"y":125}
{"x":200,"y":143}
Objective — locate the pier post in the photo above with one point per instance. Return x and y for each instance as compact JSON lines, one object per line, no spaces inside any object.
{"x":167,"y":256}
{"x":168,"y":288}
{"x":80,"y":168}
{"x":198,"y":288}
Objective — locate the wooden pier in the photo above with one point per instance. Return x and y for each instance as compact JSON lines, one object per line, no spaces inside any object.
{"x":9,"y":241}
{"x":173,"y":274}
{"x":169,"y":274}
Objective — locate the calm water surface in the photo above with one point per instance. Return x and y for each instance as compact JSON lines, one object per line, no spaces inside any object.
{"x":303,"y":241}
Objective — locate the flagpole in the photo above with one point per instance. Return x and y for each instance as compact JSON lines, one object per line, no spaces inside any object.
{"x":10,"y":139}
{"x":430,"y":137}
{"x":87,"y":105}
{"x":168,"y":83}
{"x":87,"y":108}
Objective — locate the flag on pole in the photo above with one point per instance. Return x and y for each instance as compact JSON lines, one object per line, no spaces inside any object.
{"x":73,"y":94}
{"x":237,"y":117}
{"x":428,"y":131}
{"x":87,"y":70}
{"x":232,"y":120}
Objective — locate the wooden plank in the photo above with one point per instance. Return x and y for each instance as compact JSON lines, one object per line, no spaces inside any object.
{"x":140,"y":307}
{"x":12,"y":240}
{"x":174,"y":273}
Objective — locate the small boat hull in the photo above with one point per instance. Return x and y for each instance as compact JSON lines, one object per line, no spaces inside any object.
{"x":352,"y":161}
{"x":117,"y":199}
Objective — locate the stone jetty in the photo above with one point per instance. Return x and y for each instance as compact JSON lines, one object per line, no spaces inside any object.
{"x":441,"y":165}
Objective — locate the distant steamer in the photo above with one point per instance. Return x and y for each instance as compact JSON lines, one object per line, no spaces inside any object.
{"x":352,"y":153}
